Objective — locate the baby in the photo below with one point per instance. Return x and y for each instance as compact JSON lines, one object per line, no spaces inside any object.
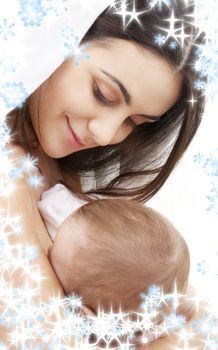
{"x":110,"y":250}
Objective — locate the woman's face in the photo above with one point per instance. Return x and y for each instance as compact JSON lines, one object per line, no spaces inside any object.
{"x":101,"y":100}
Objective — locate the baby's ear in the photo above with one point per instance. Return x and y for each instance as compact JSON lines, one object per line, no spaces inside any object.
{"x":88,"y":311}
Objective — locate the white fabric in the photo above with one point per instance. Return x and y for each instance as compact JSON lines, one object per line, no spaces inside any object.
{"x":36,"y":37}
{"x":56,"y":205}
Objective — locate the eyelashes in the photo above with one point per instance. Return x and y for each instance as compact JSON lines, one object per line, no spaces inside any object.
{"x":100,"y":97}
{"x":103,"y":100}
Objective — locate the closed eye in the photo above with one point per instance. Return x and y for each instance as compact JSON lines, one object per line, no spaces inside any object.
{"x":141,"y":119}
{"x":100,"y":97}
{"x":136,"y":120}
{"x":133,"y":120}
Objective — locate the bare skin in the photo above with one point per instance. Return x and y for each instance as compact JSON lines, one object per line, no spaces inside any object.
{"x":34,"y":232}
{"x":99,"y":109}
{"x":71,"y":96}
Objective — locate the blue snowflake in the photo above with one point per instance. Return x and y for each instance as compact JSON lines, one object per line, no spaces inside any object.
{"x":199,"y":84}
{"x":173,"y":45}
{"x":198,"y":158}
{"x":8,"y":319}
{"x":55,"y":7}
{"x":16,"y":173}
{"x":174,"y":322}
{"x":35,"y":181}
{"x":8,"y":65}
{"x":13,"y":94}
{"x":210,"y":166}
{"x":151,"y":300}
{"x":6,"y":29}
{"x":202,"y":267}
{"x":206,"y":326}
{"x":32,"y":12}
{"x":73,"y":47}
{"x":68,"y":34}
{"x":86,"y":327}
{"x":30,"y":252}
{"x":213,"y":199}
{"x":203,"y":66}
{"x":159,"y":39}
{"x":206,"y":65}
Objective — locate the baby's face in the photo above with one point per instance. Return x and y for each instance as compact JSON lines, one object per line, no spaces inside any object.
{"x":70,"y":237}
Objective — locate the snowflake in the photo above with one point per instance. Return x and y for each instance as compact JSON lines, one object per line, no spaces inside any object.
{"x":198,"y":158}
{"x":210,"y":166}
{"x":86,"y":328}
{"x":173,"y":45}
{"x":202,"y":267}
{"x":16,"y":173}
{"x":73,"y":47}
{"x":8,"y":64}
{"x":30,"y":252}
{"x":174,"y":322}
{"x":206,"y":65}
{"x":35,"y":181}
{"x":151,"y":300}
{"x":13,"y":94}
{"x":159,"y":39}
{"x":213,"y":199}
{"x":206,"y":326}
{"x":6,"y":29}
{"x":31,"y":12}
{"x":55,"y":7}
{"x":199,"y":84}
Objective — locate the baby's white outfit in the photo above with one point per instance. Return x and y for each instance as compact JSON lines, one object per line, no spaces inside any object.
{"x":56,"y":205}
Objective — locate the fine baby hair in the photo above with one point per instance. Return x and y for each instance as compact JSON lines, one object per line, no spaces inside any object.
{"x":127,"y":248}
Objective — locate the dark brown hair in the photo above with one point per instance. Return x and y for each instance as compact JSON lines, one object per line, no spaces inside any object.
{"x":150,"y":153}
{"x":127,"y":248}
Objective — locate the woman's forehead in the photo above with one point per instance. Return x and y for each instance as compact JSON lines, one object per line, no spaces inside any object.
{"x":148,"y":78}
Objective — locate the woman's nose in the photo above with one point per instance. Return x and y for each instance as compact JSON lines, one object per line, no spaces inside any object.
{"x":110,"y":131}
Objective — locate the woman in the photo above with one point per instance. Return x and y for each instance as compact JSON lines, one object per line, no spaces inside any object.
{"x":128,"y":106}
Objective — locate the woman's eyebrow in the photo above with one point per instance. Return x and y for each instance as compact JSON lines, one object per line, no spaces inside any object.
{"x":122,"y":88}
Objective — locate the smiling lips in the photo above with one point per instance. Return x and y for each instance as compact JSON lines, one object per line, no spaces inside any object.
{"x":73,"y":138}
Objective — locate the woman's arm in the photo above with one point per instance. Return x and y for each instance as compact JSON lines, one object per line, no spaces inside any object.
{"x":21,"y":203}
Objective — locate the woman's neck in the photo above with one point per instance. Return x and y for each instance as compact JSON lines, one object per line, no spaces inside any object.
{"x":48,"y":168}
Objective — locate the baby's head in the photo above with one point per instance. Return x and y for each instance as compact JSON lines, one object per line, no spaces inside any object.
{"x":111,"y":250}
